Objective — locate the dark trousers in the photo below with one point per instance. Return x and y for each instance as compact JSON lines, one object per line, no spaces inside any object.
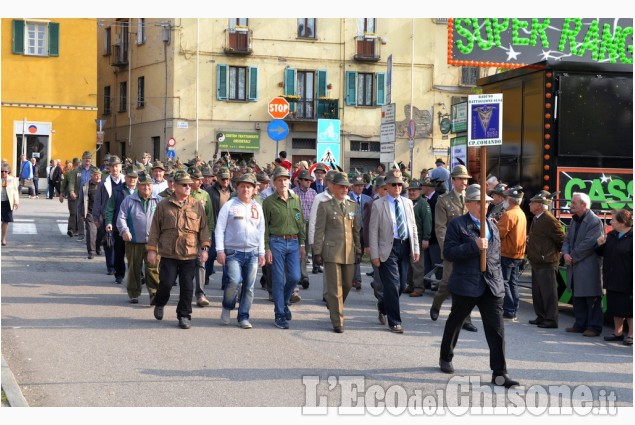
{"x":169,"y":269}
{"x":491,"y":308}
{"x":35,"y":187}
{"x":50,"y":189}
{"x":72,"y":215}
{"x":587,"y":312}
{"x":544,"y":293}
{"x":94,"y":236}
{"x":394,"y":274}
{"x":209,"y":264}
{"x":120,"y":255}
{"x":109,"y":253}
{"x":199,"y":278}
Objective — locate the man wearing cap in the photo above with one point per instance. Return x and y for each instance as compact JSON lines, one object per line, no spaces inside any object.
{"x":423,"y":218}
{"x":285,"y":234}
{"x":108,"y":184}
{"x":110,"y":217}
{"x":320,"y":197}
{"x":380,"y":191}
{"x":145,"y":161}
{"x":497,"y":208}
{"x":169,"y":190}
{"x":159,"y":183}
{"x":240,"y":248}
{"x":491,"y":182}
{"x":301,"y":166}
{"x":307,"y":197}
{"x":441,"y":173}
{"x":133,"y":222}
{"x":337,"y":246}
{"x":76,"y":179}
{"x":104,"y":166}
{"x":361,"y":200}
{"x":180,"y":235}
{"x":262,"y":180}
{"x":203,"y":197}
{"x":512,"y":227}
{"x":544,"y":242}
{"x":219,"y":193}
{"x":94,"y":236}
{"x":470,"y":287}
{"x":393,"y":241}
{"x":449,"y":206}
{"x":320,"y":172}
{"x":208,"y":176}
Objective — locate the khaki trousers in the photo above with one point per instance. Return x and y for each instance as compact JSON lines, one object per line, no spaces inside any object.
{"x":339,"y":281}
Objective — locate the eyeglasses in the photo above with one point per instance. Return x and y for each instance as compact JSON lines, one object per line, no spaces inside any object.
{"x":185,"y":184}
{"x":4,"y":171}
{"x":224,"y":179}
{"x":396,"y":184}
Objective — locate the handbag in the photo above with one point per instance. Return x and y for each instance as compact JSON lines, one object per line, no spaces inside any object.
{"x":109,"y":240}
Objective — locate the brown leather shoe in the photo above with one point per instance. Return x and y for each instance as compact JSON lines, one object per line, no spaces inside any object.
{"x":357,"y":284}
{"x":574,"y":330}
{"x":416,"y":294}
{"x":590,"y":332}
{"x":408,"y":290}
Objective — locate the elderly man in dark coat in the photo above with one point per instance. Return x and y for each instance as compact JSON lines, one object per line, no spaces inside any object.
{"x":583,"y":267}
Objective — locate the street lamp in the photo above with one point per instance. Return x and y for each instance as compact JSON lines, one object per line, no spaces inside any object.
{"x":100,"y":133}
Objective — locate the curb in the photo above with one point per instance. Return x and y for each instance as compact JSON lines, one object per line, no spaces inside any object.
{"x":11,"y":387}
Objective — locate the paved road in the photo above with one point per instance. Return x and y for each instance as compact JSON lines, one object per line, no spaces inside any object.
{"x":71,"y":339}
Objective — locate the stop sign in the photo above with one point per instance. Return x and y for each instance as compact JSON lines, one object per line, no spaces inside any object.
{"x":278,"y":108}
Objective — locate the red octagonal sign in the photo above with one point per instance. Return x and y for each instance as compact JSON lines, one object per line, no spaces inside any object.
{"x":278,"y":108}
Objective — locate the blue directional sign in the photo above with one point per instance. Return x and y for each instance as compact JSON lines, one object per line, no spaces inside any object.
{"x":277,"y":130}
{"x":171,"y":154}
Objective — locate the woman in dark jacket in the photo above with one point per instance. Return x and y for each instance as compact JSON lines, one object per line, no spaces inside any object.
{"x":617,"y":274}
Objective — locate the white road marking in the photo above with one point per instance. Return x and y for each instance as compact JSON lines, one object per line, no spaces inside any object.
{"x":63,"y":227}
{"x":24,"y":229}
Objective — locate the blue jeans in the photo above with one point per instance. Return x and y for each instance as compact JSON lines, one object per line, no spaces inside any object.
{"x":511,"y":273}
{"x":286,"y":256}
{"x":242,"y":268}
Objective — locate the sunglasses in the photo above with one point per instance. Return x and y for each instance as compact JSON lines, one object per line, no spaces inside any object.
{"x":396,"y":184}
{"x":185,"y":184}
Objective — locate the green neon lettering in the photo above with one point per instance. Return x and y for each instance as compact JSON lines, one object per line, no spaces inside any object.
{"x":539,"y":30}
{"x":487,"y":42}
{"x":467,"y":46}
{"x":616,"y":189}
{"x":498,"y":28}
{"x":571,"y":187}
{"x":518,"y":24}
{"x":568,"y":34}
{"x":625,"y":48}
{"x":591,"y":41}
{"x":609,"y":44}
{"x":596,"y":193}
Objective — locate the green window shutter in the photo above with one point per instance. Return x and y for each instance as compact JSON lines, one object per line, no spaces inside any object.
{"x":221,"y":82}
{"x":18,"y":37}
{"x":54,"y":39}
{"x":351,"y":88}
{"x":321,"y":83}
{"x":289,"y":81}
{"x":253,"y":83}
{"x":380,"y":85}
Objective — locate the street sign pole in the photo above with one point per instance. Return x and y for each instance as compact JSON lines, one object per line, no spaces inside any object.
{"x":483,"y":217}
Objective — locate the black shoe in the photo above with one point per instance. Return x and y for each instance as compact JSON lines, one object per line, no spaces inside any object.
{"x":315,"y":270}
{"x":70,"y":234}
{"x":98,"y":252}
{"x":446,"y":367}
{"x":434,"y":314}
{"x":110,"y":272}
{"x":158,"y":312}
{"x":503,"y":380}
{"x":614,"y":337}
{"x":118,"y":280}
{"x":508,"y":316}
{"x":408,"y":289}
{"x":370,"y":274}
{"x":382,"y":319}
{"x":134,"y":300}
{"x":548,"y":325}
{"x":91,"y":256}
{"x":304,"y":283}
{"x":320,"y":269}
{"x":397,"y":329}
{"x":338,"y":329}
{"x":536,"y":321}
{"x":185,"y":323}
{"x":469,"y":327}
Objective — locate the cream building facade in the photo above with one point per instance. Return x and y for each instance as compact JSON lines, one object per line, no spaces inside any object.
{"x":204,"y":85}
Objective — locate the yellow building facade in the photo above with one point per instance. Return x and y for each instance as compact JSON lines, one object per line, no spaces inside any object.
{"x":204,"y":85}
{"x":49,"y":89}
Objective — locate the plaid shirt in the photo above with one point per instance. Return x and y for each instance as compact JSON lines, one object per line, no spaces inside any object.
{"x":306,"y":200}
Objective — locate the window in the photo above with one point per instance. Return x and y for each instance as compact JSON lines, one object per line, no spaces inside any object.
{"x":122,"y":150}
{"x":36,"y":38}
{"x":107,"y":41}
{"x":141,"y":31}
{"x":306,"y":88}
{"x":469,"y":75}
{"x":237,"y":83}
{"x":365,"y":146}
{"x":141,"y":92}
{"x":156,"y":147}
{"x":365,"y":89}
{"x":238,"y":22}
{"x":306,"y":27}
{"x":366,"y":26}
{"x":300,"y":143}
{"x":123,"y":99}
{"x":107,"y":100}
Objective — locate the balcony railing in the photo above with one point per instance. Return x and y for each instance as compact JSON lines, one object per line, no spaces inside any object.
{"x":119,"y":56}
{"x":314,"y":109}
{"x":368,"y":48}
{"x":238,"y":41}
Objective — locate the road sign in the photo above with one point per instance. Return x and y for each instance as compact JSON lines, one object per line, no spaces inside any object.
{"x":388,"y":113}
{"x":412,"y":128}
{"x":328,"y":152}
{"x":328,"y":131}
{"x":171,"y":142}
{"x":171,"y":154}
{"x":277,"y":130}
{"x":278,"y":108}
{"x":485,"y":120}
{"x":387,"y":133}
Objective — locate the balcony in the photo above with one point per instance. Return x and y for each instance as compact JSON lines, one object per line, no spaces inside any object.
{"x":312,"y":110}
{"x":368,"y":49}
{"x":238,"y":41}
{"x":119,"y":56}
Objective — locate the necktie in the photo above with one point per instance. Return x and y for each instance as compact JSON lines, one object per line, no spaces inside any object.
{"x":462,"y":201}
{"x":401,"y":223}
{"x":343,"y":208}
